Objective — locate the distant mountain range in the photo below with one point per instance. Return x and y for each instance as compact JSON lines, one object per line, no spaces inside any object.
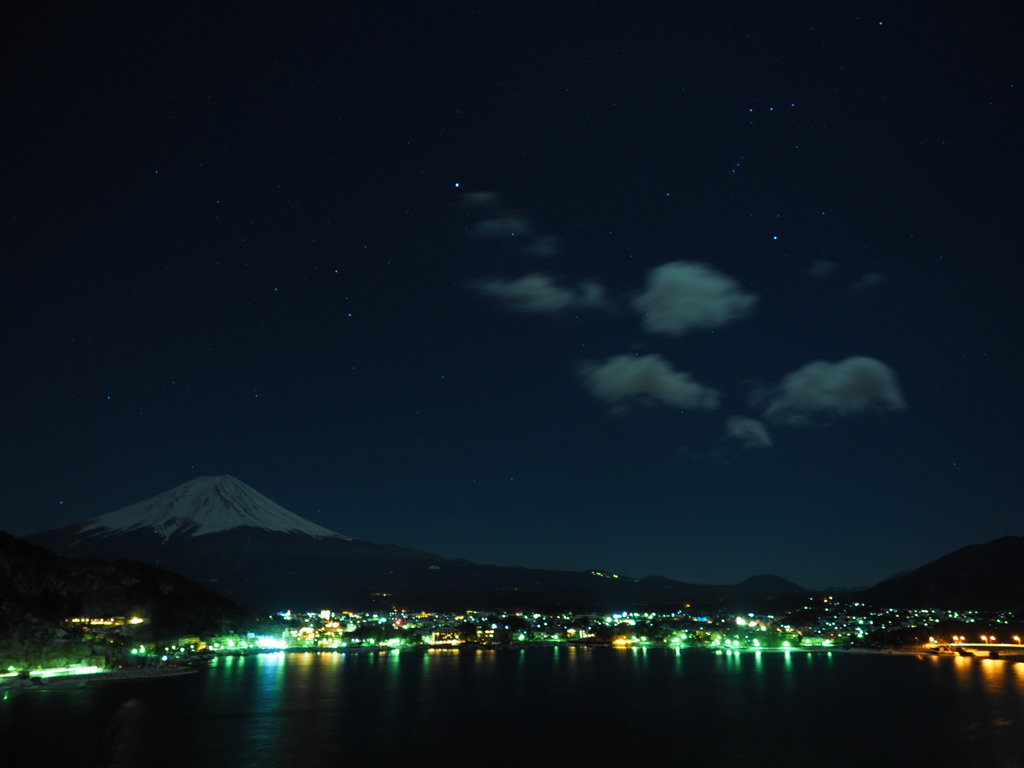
{"x":222,"y":533}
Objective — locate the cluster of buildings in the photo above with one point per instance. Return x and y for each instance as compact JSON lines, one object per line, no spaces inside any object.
{"x":824,"y":622}
{"x":819,"y":622}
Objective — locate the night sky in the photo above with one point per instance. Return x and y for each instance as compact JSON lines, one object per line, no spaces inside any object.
{"x":703,"y":290}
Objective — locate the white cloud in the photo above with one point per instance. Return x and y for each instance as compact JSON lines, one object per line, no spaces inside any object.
{"x":479,"y":198}
{"x":591,"y":295}
{"x":750,"y":432}
{"x":821,"y":268}
{"x":542,"y":245}
{"x":651,"y":378}
{"x":853,"y":385}
{"x":869,"y":280}
{"x":496,"y":221}
{"x":505,"y":226}
{"x":681,"y":296}
{"x":539,"y":293}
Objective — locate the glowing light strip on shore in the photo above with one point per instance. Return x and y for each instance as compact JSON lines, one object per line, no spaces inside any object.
{"x":57,"y":672}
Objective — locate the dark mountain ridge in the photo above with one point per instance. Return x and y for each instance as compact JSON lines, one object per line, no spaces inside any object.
{"x":228,"y":536}
{"x":225,"y":535}
{"x":978,"y":576}
{"x":39,"y":588}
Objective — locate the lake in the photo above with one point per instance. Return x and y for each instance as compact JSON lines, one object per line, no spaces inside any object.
{"x":539,"y":706}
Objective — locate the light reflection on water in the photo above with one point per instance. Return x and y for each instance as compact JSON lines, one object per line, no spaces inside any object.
{"x":977,"y":683}
{"x":585,"y":704}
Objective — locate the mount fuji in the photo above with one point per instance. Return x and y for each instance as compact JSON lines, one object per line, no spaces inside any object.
{"x":204,"y":505}
{"x":222,"y":533}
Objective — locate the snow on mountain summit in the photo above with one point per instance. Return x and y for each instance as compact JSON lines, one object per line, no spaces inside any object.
{"x":205,"y":505}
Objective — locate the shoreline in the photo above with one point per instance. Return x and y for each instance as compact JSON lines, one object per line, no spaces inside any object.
{"x":14,"y":686}
{"x":72,"y":681}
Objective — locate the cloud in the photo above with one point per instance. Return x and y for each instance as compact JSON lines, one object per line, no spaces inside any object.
{"x":542,"y":245}
{"x":503,"y":226}
{"x":821,"y":268}
{"x":479,"y":198}
{"x":540,"y":294}
{"x":681,"y":296}
{"x":496,"y":221}
{"x":869,"y":280}
{"x":853,"y":385}
{"x":751,"y":433}
{"x":649,"y":378}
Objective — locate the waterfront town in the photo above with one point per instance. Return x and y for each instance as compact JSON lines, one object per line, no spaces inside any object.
{"x":820,"y":623}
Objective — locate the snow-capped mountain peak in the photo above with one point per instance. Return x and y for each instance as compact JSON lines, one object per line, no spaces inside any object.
{"x":205,"y":505}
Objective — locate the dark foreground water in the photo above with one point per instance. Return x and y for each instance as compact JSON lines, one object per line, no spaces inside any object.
{"x":538,"y":706}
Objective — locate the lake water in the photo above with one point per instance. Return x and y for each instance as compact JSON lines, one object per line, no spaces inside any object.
{"x":539,"y":706}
